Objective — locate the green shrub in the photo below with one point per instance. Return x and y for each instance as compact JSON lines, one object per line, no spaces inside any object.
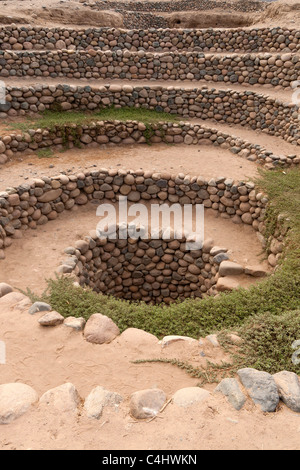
{"x":267,"y":341}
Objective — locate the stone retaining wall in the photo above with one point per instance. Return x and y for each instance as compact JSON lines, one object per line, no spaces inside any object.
{"x":33,"y":204}
{"x":132,"y":132}
{"x":205,"y":40}
{"x":251,"y":69}
{"x":232,"y":107}
{"x":142,"y":20}
{"x":158,"y":270}
{"x":181,"y":5}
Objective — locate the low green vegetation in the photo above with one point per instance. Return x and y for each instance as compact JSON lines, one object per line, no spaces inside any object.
{"x":55,"y":119}
{"x":268,"y":342}
{"x":45,"y":153}
{"x":266,"y":316}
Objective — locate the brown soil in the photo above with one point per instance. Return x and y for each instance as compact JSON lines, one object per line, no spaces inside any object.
{"x":206,"y":161}
{"x":192,"y":19}
{"x":41,"y":13}
{"x":284,"y":13}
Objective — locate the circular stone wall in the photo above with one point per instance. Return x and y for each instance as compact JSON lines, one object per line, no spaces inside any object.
{"x":145,"y":269}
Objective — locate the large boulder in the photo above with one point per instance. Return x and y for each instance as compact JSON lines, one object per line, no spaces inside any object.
{"x":5,"y":289}
{"x":147,"y":403}
{"x":39,"y":307}
{"x":261,"y":387}
{"x":51,"y":319}
{"x":231,"y":390}
{"x":98,"y":399}
{"x":190,"y":396}
{"x":100,"y":329}
{"x":64,"y":398}
{"x":15,"y":400}
{"x":289,"y":389}
{"x":229,"y":268}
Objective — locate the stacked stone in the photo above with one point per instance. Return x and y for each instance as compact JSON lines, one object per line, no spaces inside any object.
{"x":30,"y":205}
{"x":245,"y":108}
{"x":180,"y":5}
{"x":139,"y":268}
{"x":265,"y":392}
{"x":276,"y":69}
{"x":133,"y":19}
{"x":215,"y":40}
{"x":131,"y":132}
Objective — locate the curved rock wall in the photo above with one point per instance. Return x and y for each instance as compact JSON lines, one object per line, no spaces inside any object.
{"x":132,"y":132}
{"x":154,"y":271}
{"x":214,"y":40}
{"x":33,"y":204}
{"x":262,"y":68}
{"x":232,"y":107}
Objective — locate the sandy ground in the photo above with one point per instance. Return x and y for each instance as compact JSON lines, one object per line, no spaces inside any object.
{"x":284,"y":13}
{"x":46,"y":358}
{"x":53,"y":356}
{"x":206,"y":161}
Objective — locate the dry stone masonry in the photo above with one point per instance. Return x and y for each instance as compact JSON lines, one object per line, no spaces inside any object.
{"x":146,"y":15}
{"x":225,"y":106}
{"x":273,"y":69}
{"x":103,"y":133}
{"x":180,"y":5}
{"x":152,"y":40}
{"x":30,"y":205}
{"x":151,"y":270}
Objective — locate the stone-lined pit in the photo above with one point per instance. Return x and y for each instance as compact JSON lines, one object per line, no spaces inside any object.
{"x":145,"y":269}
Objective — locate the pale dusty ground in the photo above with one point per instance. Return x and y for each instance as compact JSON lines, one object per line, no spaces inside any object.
{"x":46,"y":358}
{"x":206,"y":161}
{"x":282,"y":13}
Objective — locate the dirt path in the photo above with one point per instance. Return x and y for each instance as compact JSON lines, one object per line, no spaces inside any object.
{"x":206,"y":161}
{"x":275,"y":144}
{"x":45,"y":358}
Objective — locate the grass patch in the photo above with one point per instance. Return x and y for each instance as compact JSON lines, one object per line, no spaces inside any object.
{"x":189,"y":318}
{"x":45,"y":153}
{"x":55,"y":119}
